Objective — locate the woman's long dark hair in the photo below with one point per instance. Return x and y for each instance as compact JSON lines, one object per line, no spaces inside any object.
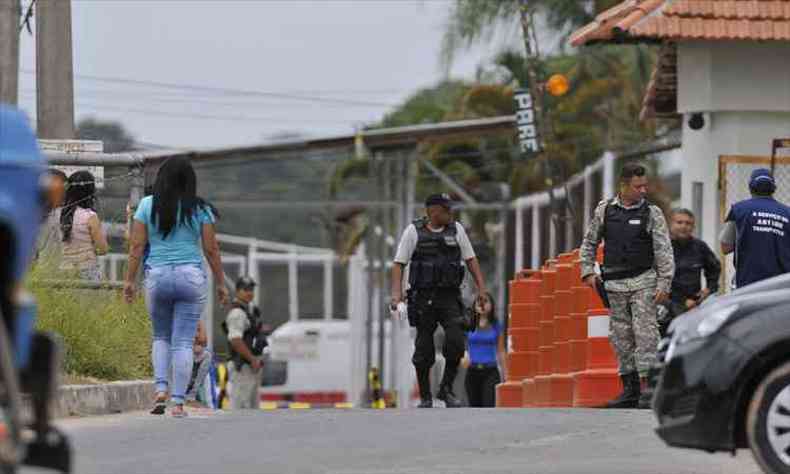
{"x":80,"y":192}
{"x":492,"y":319}
{"x":176,"y":188}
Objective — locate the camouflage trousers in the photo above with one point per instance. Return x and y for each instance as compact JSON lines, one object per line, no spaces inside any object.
{"x":633,"y":330}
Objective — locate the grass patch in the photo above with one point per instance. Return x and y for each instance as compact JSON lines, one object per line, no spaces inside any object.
{"x":103,"y":337}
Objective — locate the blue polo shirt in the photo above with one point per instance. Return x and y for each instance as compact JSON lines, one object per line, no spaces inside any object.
{"x":762,"y":247}
{"x":483,"y":345}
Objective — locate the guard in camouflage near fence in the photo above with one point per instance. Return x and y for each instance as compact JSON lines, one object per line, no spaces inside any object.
{"x":637,"y":276}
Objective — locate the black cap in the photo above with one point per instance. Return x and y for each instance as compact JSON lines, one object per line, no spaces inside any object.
{"x":439,"y":200}
{"x":245,"y":283}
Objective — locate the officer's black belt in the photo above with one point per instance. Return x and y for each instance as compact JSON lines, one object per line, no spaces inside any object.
{"x":619,"y":273}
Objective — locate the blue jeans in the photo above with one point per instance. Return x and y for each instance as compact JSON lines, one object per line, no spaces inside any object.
{"x":175,"y":296}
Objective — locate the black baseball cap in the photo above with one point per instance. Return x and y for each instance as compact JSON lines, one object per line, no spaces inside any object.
{"x":442,"y":199}
{"x":245,"y":283}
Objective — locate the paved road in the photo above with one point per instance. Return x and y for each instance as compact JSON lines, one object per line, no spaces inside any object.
{"x":437,"y":441}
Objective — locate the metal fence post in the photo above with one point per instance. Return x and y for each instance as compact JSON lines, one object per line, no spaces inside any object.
{"x":519,"y":250}
{"x":329,"y":288}
{"x":536,"y":236}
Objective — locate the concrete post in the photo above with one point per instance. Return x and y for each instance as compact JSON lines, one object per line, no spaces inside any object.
{"x":54,"y":70}
{"x":9,"y":51}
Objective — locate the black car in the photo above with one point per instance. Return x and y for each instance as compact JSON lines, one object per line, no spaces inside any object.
{"x":725,"y":375}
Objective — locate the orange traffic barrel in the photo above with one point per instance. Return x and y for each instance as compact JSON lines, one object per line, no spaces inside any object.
{"x":581,"y":295}
{"x":542,"y":396}
{"x":522,"y":365}
{"x":509,"y":395}
{"x":548,"y":280}
{"x":561,"y":390}
{"x":528,"y":393}
{"x":599,"y":382}
{"x":564,"y":278}
{"x":525,"y":290}
{"x":524,"y":315}
{"x":523,"y":339}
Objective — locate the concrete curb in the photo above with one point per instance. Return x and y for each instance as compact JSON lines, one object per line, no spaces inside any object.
{"x":103,"y":399}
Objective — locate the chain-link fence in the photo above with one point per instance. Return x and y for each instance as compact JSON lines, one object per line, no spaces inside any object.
{"x":734,"y":173}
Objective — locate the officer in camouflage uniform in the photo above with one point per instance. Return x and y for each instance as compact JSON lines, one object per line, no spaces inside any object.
{"x":637,"y":276}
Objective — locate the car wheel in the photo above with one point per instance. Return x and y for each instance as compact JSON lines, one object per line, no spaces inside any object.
{"x":768,"y":422}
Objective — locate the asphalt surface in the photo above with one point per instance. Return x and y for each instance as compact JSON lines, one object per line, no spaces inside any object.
{"x":436,"y":441}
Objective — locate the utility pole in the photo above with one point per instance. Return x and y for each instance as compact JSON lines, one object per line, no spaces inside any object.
{"x":531,"y":66}
{"x":10,"y":12}
{"x":54,"y":70}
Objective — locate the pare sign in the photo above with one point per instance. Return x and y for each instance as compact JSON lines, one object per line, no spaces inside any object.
{"x":526,"y":123}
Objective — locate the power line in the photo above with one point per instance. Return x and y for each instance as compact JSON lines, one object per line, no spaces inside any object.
{"x":227,"y":91}
{"x":148,"y":97}
{"x":82,"y":104}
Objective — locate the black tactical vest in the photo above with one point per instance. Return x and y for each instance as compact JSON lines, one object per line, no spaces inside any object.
{"x":628,"y":246}
{"x":252,"y":337}
{"x":436,"y":262}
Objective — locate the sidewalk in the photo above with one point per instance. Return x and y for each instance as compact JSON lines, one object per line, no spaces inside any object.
{"x":103,"y":399}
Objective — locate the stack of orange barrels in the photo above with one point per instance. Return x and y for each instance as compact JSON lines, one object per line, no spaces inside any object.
{"x":558,"y":348}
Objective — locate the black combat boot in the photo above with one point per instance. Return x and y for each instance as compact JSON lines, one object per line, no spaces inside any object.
{"x":630,"y":396}
{"x":446,"y":388}
{"x":424,"y":383}
{"x":646,"y":394}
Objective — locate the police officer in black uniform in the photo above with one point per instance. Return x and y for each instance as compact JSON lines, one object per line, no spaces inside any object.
{"x":435,"y":248}
{"x":758,"y":231}
{"x":693,"y":257}
{"x":243,"y":327}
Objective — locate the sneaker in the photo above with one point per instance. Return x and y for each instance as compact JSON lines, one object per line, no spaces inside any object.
{"x":425,"y":403}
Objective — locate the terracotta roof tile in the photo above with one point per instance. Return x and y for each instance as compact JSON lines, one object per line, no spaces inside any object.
{"x":690,"y":20}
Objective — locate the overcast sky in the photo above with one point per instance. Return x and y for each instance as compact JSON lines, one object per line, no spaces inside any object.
{"x":366,"y":56}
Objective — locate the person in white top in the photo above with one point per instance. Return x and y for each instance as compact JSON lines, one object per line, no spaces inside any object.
{"x":436,"y":249}
{"x":83,"y":237}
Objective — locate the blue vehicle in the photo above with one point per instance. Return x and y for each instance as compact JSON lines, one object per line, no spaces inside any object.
{"x":28,"y":360}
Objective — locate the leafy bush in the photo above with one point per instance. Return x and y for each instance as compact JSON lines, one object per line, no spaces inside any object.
{"x":103,"y":337}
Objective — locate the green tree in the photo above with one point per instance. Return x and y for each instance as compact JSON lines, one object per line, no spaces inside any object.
{"x":473,"y":21}
{"x":114,"y":135}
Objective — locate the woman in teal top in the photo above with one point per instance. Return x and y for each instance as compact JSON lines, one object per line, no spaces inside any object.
{"x":179,"y":226}
{"x":486,"y":347}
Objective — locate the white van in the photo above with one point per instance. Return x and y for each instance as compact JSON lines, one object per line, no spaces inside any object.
{"x":309,"y":361}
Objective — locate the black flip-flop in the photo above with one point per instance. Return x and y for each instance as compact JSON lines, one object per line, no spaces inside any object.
{"x":159,"y":407}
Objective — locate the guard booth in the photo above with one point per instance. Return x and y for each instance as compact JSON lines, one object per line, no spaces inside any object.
{"x":721,"y":71}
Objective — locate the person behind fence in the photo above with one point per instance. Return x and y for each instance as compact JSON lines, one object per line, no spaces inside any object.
{"x":49,"y":244}
{"x":637,"y":275}
{"x":82,"y":233}
{"x":201,"y":365}
{"x":486,"y":353}
{"x":758,"y":231}
{"x":244,"y":326}
{"x":178,"y":224}
{"x":435,"y":249}
{"x":693,"y":257}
